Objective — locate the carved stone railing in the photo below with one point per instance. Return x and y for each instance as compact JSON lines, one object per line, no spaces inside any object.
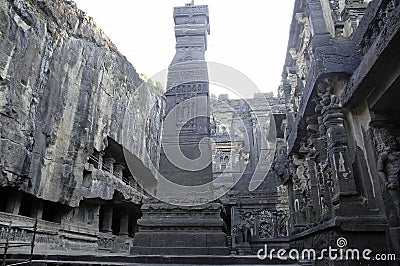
{"x":129,"y":181}
{"x":16,"y":236}
{"x":46,"y":232}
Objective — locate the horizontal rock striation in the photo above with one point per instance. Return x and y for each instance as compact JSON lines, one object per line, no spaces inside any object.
{"x":64,"y":91}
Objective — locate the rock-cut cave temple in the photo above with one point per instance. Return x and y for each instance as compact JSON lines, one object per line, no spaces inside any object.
{"x":84,"y":140}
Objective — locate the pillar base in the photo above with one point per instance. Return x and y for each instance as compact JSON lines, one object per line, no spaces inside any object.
{"x":173,"y":230}
{"x":244,"y":249}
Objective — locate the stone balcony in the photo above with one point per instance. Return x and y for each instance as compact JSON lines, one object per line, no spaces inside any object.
{"x":103,"y":175}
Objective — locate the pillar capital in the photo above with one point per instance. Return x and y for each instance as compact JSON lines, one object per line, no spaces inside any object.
{"x":118,"y":170}
{"x":109,"y":164}
{"x":109,"y":160}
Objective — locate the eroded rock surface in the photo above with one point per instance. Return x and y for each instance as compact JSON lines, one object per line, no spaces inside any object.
{"x":64,"y":90}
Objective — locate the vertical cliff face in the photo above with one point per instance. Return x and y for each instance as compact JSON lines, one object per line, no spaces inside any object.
{"x":64,"y":89}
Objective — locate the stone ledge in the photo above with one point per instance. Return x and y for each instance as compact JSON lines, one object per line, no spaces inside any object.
{"x":356,"y":223}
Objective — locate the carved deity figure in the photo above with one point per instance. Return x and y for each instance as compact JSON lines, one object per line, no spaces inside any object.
{"x":322,"y":128}
{"x":185,"y":111}
{"x":326,"y":206}
{"x":324,"y":92}
{"x":247,"y":227}
{"x":335,"y":10}
{"x":389,"y":171}
{"x":281,"y":227}
{"x":292,"y":171}
{"x":334,"y":103}
{"x":224,"y":132}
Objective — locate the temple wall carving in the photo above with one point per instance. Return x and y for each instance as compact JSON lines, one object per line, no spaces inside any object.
{"x":342,"y":138}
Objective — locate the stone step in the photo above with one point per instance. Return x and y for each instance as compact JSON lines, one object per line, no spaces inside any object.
{"x":121,"y":259}
{"x":51,"y":263}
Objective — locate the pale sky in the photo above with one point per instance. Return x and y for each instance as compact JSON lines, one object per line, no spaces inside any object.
{"x":250,"y":36}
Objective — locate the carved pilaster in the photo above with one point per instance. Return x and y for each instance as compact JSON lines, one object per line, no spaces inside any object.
{"x":300,"y":193}
{"x":324,"y":178}
{"x":343,"y":178}
{"x":312,"y":129}
{"x":343,"y":187}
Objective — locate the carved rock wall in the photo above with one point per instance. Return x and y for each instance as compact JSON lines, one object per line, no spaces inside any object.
{"x":64,"y":89}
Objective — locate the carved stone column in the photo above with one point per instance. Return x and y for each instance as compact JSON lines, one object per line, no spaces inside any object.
{"x":107,"y":218}
{"x":118,"y":170}
{"x":37,"y":210}
{"x":131,"y":180}
{"x":124,"y":224}
{"x":342,"y":174}
{"x":109,"y":164}
{"x":134,"y":183}
{"x":323,"y":99}
{"x":96,"y":212}
{"x":197,"y":229}
{"x":14,"y":202}
{"x":134,"y":227}
{"x":100,"y":159}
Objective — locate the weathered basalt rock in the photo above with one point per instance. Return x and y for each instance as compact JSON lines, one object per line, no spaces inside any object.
{"x":64,"y":90}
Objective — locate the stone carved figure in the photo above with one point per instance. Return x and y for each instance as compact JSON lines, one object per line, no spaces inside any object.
{"x":296,"y":170}
{"x":335,"y":10}
{"x":389,"y":171}
{"x":217,"y":160}
{"x":322,"y":128}
{"x":224,"y":131}
{"x":247,"y":226}
{"x":221,"y":160}
{"x":324,"y":92}
{"x":185,"y":112}
{"x":334,"y":103}
{"x":281,"y":224}
{"x":302,"y":55}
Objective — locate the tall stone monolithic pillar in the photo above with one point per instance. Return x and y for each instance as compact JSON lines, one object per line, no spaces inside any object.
{"x":187,"y":120}
{"x":183,"y":220}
